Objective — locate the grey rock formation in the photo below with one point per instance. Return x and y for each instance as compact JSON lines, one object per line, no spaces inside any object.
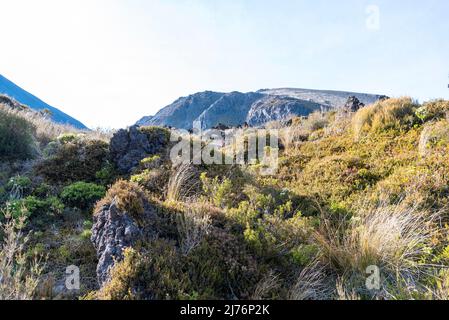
{"x":353,"y":104}
{"x":112,"y":232}
{"x":129,"y":146}
{"x":231,"y":109}
{"x":183,"y":112}
{"x":254,"y":108}
{"x":273,"y":108}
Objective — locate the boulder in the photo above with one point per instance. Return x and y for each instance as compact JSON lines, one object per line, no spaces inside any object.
{"x":353,"y":104}
{"x":129,"y":146}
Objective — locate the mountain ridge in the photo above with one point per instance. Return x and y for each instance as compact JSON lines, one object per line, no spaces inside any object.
{"x":10,"y":89}
{"x":254,"y":108}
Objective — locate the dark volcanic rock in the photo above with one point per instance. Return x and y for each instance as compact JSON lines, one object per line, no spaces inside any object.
{"x":112,"y":232}
{"x":353,"y":104}
{"x":129,"y":146}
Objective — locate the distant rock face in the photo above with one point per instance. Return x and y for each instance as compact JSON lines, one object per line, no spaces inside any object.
{"x":183,"y":112}
{"x":129,"y":146}
{"x":255,"y":108}
{"x":272,"y":108}
{"x":231,"y":110}
{"x":112,"y":232}
{"x":353,"y":104}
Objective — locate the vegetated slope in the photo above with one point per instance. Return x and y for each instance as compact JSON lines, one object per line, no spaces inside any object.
{"x":254,"y":108}
{"x":353,"y":190}
{"x":12,"y":90}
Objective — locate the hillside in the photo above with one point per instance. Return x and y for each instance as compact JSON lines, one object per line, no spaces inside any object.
{"x":355,"y":190}
{"x":253,"y":108}
{"x":11,"y":90}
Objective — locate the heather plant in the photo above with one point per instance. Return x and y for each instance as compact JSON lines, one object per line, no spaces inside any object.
{"x":82,"y":195}
{"x":19,"y":277}
{"x":16,"y":137}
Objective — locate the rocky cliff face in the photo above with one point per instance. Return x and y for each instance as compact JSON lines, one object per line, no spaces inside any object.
{"x":254,"y":108}
{"x":129,"y":146}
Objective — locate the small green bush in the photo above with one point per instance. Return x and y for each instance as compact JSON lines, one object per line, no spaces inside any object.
{"x":33,"y":207}
{"x":432,"y":110}
{"x":16,"y":137}
{"x":82,"y":195}
{"x":67,"y":137}
{"x":220,"y":192}
{"x":106,"y":175}
{"x":18,"y":186}
{"x":79,"y":160}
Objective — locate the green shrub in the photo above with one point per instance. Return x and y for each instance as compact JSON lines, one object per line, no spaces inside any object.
{"x":82,"y":195}
{"x":221,"y":267}
{"x":303,"y":255}
{"x":86,"y":234}
{"x":220,"y":192}
{"x":67,"y":137}
{"x":87,"y":224}
{"x":16,"y":137}
{"x":433,"y":110}
{"x":154,"y":274}
{"x":106,"y":175}
{"x":37,"y":207}
{"x":156,"y":133}
{"x":15,"y":209}
{"x":18,"y":186}
{"x":42,"y":191}
{"x":151,"y":162}
{"x":79,"y":160}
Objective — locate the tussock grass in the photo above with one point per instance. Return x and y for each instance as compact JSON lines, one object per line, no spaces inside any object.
{"x":182,"y":183}
{"x":395,"y":238}
{"x":310,"y":284}
{"x":387,"y":114}
{"x":193,"y":225}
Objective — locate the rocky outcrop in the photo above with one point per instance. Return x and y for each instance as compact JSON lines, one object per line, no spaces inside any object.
{"x":129,"y":146}
{"x":278,"y":108}
{"x":353,"y":104}
{"x":112,"y":232}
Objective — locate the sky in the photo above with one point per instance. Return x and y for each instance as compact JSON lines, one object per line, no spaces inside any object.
{"x":110,"y":62}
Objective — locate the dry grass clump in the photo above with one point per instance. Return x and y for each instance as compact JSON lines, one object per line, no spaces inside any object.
{"x":310,"y":284}
{"x":128,"y":196}
{"x":183,"y":182}
{"x":269,"y":283}
{"x":46,"y":129}
{"x":386,"y":114}
{"x":19,"y":278}
{"x":291,"y":136}
{"x":193,"y":225}
{"x":394,"y":238}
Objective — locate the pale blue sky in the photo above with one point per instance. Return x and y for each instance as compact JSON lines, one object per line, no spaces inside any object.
{"x":110,"y":62}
